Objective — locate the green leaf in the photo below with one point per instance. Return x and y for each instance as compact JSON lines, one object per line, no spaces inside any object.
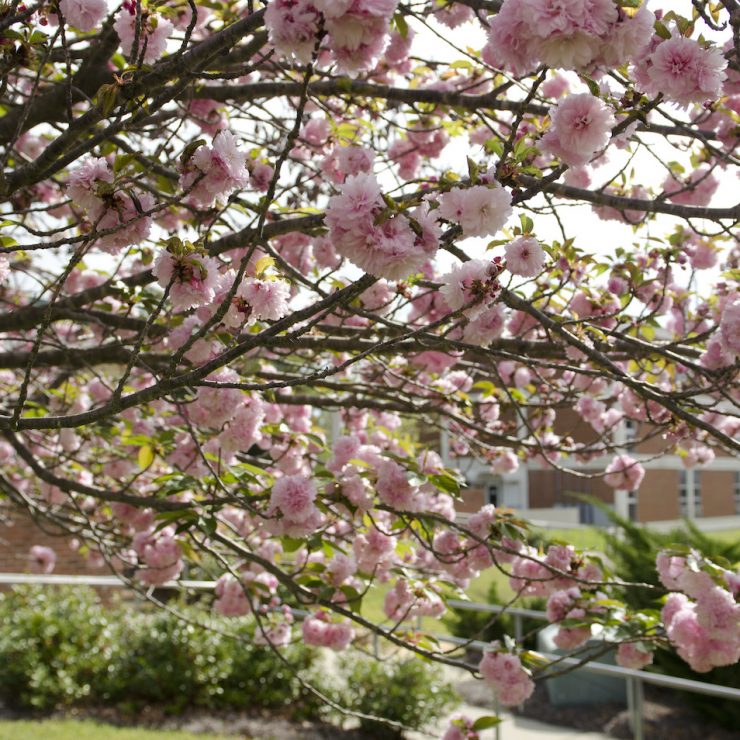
{"x":400,"y":23}
{"x":146,"y":456}
{"x":661,"y":30}
{"x":485,"y":723}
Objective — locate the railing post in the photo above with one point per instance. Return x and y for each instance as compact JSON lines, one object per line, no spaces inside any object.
{"x":518,"y":632}
{"x":635,"y":707}
{"x":497,"y":712}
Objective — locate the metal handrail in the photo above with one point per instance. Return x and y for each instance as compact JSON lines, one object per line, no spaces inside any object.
{"x":635,"y":679}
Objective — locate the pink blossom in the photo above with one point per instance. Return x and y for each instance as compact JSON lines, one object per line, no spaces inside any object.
{"x":631,"y":655}
{"x":125,"y":216}
{"x":83,"y":14}
{"x":697,"y":191}
{"x":260,"y":176}
{"x":214,"y":172}
{"x":406,"y":155}
{"x":480,"y":210}
{"x":83,"y":184}
{"x":486,"y":326}
{"x":193,"y":278}
{"x":393,"y":486}
{"x":355,"y":159}
{"x":391,"y":249}
{"x":294,"y":496}
{"x":469,"y":282}
{"x":683,"y":71}
{"x":525,"y":256}
{"x":215,"y":406}
{"x":207,"y":114}
{"x":243,"y":429}
{"x":729,"y":328}
{"x":155,"y":31}
{"x":510,"y":680}
{"x":231,"y":599}
{"x":292,"y":26}
{"x":160,"y":553}
{"x":358,"y":32}
{"x":42,"y":559}
{"x":569,"y":638}
{"x":258,"y":299}
{"x":460,"y":728}
{"x":319,"y":631}
{"x":581,"y":126}
{"x":345,"y":448}
{"x":624,"y":473}
{"x":555,"y":87}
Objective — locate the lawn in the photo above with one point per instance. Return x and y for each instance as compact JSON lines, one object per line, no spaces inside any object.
{"x":67,"y":729}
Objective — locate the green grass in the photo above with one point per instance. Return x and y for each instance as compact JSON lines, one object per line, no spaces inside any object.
{"x":728,"y":535}
{"x":52,"y":729}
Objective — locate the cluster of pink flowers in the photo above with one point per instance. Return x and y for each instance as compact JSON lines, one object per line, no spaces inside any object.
{"x":42,"y":559}
{"x":461,"y":726}
{"x":479,"y":210}
{"x":581,"y":126}
{"x":703,"y":620}
{"x":472,"y":282}
{"x":407,"y":600}
{"x":294,"y":497}
{"x":161,"y":555}
{"x":83,"y":14}
{"x":231,"y":598}
{"x":215,"y":406}
{"x":357,"y":30}
{"x":624,"y":473}
{"x":155,"y":32}
{"x":193,"y":278}
{"x":318,"y":630}
{"x":568,"y":603}
{"x":91,"y":186}
{"x":697,"y":190}
{"x":258,"y":300}
{"x":575,"y":34}
{"x":392,"y":248}
{"x":683,"y":70}
{"x":216,"y":171}
{"x":508,"y":677}
{"x":634,"y":655}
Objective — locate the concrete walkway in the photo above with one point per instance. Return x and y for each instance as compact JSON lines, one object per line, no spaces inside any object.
{"x":513,"y":728}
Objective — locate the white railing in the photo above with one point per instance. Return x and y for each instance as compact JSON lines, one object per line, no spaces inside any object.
{"x":635,"y":679}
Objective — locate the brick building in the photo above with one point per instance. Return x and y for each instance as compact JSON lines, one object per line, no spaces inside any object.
{"x":668,"y":492}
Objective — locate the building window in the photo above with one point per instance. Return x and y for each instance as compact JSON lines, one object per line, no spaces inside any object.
{"x":632,"y":506}
{"x":630,"y":433}
{"x":737,"y":491}
{"x":493,"y":494}
{"x":683,"y":493}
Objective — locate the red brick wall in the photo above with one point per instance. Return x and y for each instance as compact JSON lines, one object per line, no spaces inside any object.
{"x":18,"y":533}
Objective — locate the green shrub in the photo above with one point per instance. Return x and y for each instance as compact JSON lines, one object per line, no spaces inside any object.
{"x":257,"y":677}
{"x":633,"y":550}
{"x":61,"y":646}
{"x":160,"y":659}
{"x":410,"y":692}
{"x":54,"y":645}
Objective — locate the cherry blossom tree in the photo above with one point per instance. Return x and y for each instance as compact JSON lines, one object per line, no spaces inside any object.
{"x":257,"y":257}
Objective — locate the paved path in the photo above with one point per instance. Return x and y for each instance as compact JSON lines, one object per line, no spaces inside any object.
{"x":515,"y":728}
